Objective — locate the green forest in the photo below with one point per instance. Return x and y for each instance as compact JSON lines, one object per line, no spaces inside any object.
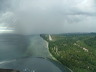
{"x":76,"y":51}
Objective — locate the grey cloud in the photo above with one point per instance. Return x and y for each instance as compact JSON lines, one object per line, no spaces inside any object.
{"x":4,"y":5}
{"x":49,"y":16}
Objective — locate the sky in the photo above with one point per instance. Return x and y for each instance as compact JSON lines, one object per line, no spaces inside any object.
{"x":47,"y":16}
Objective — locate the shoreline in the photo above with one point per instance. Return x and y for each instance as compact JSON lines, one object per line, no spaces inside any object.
{"x":49,"y":52}
{"x":53,"y":56}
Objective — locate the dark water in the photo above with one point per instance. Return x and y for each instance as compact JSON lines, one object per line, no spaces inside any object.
{"x":12,"y":46}
{"x":22,"y":52}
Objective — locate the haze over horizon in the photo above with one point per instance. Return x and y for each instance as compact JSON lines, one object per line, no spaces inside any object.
{"x":47,"y":16}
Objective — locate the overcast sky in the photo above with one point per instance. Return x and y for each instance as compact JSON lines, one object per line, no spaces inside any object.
{"x":48,"y":16}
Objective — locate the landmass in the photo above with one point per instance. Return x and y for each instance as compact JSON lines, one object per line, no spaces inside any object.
{"x":77,"y":51}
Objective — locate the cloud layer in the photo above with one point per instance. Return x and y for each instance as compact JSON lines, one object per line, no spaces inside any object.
{"x":48,"y":16}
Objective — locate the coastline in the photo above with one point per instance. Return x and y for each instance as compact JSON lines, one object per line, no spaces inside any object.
{"x":49,"y":51}
{"x":53,"y":56}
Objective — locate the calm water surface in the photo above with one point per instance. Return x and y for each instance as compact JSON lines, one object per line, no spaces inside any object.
{"x":27,"y":54}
